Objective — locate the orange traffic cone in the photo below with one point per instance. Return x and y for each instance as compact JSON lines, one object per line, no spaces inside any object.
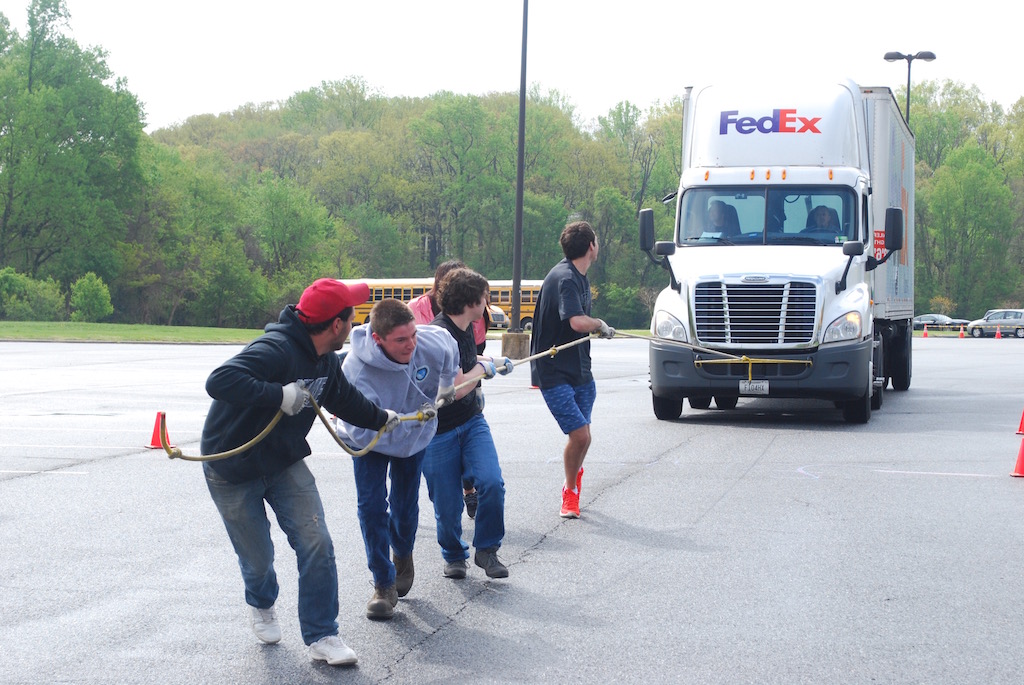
{"x":1020,"y":431}
{"x":1018,"y":470}
{"x":961,"y":330}
{"x":998,"y":333}
{"x":925,"y":331}
{"x":154,"y":442}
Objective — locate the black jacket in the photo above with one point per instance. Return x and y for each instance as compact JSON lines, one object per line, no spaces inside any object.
{"x":246,"y":392}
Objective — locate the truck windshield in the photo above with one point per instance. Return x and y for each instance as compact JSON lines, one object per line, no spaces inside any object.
{"x":769,"y":215}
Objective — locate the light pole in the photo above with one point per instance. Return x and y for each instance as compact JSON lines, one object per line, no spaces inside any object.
{"x":894,"y":56}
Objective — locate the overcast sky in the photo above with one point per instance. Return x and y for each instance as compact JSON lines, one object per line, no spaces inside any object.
{"x":210,"y":56}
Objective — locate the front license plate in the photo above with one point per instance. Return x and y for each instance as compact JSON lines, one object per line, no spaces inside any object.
{"x":753,"y":387}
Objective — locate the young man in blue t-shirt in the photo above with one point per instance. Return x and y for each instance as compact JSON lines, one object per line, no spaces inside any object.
{"x":565,"y":379}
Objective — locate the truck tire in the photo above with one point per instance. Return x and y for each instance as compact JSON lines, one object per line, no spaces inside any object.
{"x":878,"y":369}
{"x":859,"y":410}
{"x":903,"y":361}
{"x":700,"y":401}
{"x":727,"y":402}
{"x":667,"y":408}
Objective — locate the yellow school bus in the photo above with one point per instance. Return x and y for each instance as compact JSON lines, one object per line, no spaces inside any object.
{"x":501,"y":296}
{"x":405,"y":289}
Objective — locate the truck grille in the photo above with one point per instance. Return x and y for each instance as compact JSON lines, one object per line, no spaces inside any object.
{"x":755,"y":314}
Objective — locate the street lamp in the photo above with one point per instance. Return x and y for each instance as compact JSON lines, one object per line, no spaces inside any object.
{"x":894,"y":56}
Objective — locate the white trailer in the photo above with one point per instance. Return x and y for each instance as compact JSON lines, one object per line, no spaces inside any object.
{"x":791,"y":263}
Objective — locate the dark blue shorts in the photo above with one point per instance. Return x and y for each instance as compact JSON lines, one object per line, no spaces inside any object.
{"x":571,"y":405}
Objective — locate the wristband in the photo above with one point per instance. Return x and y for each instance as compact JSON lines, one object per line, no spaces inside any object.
{"x":482,"y":366}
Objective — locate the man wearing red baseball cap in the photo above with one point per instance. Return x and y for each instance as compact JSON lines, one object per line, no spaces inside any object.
{"x":293,"y":357}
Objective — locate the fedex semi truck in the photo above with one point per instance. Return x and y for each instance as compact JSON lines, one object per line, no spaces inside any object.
{"x":792,"y":253}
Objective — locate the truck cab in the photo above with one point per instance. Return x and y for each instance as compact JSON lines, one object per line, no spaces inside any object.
{"x":789,"y":207}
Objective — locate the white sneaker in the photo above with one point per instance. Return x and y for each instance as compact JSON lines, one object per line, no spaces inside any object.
{"x":265,"y":625}
{"x":332,"y":650}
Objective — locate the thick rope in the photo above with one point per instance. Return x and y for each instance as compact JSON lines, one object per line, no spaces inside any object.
{"x":423,"y":415}
{"x":726,"y":357}
{"x":426,"y":413}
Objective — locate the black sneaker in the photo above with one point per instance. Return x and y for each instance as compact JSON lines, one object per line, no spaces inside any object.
{"x":470,"y":499}
{"x":487,"y":559}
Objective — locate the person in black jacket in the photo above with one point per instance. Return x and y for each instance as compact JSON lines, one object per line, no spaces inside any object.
{"x":294,"y":356}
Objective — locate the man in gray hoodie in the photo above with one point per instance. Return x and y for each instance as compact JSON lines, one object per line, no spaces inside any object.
{"x":395,"y":362}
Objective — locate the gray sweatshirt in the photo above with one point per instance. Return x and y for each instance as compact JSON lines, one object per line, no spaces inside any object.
{"x":404,"y":388}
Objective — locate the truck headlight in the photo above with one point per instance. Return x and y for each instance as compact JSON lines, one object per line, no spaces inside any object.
{"x":668,"y":326}
{"x":846,"y":327}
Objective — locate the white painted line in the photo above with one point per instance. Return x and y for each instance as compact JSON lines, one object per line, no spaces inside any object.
{"x":939,"y":473}
{"x":70,"y":447}
{"x":56,"y":473}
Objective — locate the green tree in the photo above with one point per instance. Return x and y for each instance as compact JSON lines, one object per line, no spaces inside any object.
{"x":68,"y":158}
{"x":970,"y":228}
{"x":90,"y":299}
{"x":23,"y":298}
{"x":454,"y":170}
{"x":229,"y":291}
{"x":288,"y":225}
{"x":634,"y":145}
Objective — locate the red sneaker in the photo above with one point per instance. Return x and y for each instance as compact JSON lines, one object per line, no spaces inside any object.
{"x":579,"y":482}
{"x":570,"y":504}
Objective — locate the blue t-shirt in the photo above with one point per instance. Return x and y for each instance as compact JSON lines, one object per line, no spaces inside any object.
{"x":564,"y":294}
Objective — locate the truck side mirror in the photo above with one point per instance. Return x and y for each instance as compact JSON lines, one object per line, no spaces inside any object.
{"x":853,"y":248}
{"x":893,"y":229}
{"x":663,"y":248}
{"x":647,"y":230}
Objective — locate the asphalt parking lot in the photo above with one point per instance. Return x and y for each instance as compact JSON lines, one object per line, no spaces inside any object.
{"x":769,"y":544}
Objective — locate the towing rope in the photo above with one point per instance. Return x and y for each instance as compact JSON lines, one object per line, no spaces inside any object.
{"x":727,"y":358}
{"x":426,"y":413}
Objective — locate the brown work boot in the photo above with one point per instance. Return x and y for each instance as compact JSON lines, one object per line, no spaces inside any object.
{"x":404,"y":574}
{"x":382,"y":605}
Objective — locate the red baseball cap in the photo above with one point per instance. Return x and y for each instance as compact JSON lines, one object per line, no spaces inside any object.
{"x":326,"y":297}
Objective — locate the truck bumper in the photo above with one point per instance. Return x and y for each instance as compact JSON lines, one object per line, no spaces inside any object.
{"x":835,"y":372}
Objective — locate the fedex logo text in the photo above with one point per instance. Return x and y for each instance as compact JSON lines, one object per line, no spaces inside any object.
{"x":780,"y":121}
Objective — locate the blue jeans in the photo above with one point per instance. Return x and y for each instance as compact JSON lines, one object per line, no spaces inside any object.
{"x":467,"y":449}
{"x":293,"y":496}
{"x":385,"y":530}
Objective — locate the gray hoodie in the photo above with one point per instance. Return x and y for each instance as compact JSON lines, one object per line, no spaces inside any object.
{"x":403,"y":388}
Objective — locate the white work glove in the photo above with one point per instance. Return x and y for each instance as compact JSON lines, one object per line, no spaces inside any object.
{"x":392,"y":422}
{"x":489,"y":369}
{"x":606,"y":330}
{"x":445,"y":395}
{"x":504,"y":365}
{"x":428,"y":412}
{"x":293,"y":398}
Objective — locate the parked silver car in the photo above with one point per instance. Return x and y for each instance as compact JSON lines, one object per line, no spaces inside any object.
{"x":1006,"y":321}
